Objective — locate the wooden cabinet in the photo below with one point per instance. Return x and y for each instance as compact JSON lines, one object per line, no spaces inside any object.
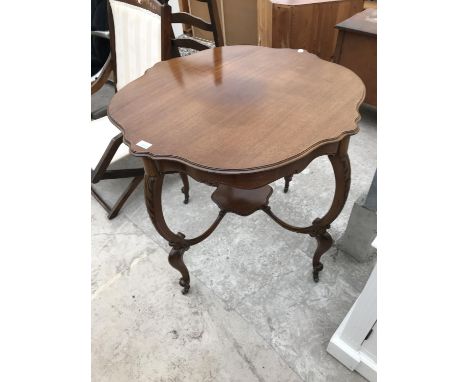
{"x":297,"y":24}
{"x":357,"y":49}
{"x":303,"y":24}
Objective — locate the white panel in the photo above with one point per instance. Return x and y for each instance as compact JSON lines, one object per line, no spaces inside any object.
{"x":364,"y":314}
{"x":137,"y":41}
{"x":348,"y":344}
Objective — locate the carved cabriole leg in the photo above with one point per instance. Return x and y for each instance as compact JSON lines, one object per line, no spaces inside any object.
{"x":185,"y":188}
{"x":287,"y":180}
{"x":153,"y":192}
{"x":318,"y":229}
{"x":342,"y":171}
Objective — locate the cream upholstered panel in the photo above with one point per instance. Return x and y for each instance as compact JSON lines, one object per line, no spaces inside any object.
{"x":137,"y":41}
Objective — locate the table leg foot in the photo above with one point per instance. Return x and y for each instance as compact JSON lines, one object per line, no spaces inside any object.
{"x":185,"y":188}
{"x":176,"y":259}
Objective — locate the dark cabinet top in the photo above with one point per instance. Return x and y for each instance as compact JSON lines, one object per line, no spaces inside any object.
{"x":364,"y":22}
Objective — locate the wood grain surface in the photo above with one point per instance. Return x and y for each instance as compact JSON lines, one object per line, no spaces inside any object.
{"x":238,"y":108}
{"x":356,"y":49}
{"x":303,"y":24}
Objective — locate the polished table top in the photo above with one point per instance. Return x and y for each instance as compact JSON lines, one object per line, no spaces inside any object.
{"x":238,"y":108}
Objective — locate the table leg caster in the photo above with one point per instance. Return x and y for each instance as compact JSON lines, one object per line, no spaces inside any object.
{"x":186,"y":199}
{"x":287,"y":179}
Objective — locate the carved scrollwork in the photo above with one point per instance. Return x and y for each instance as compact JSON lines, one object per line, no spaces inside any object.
{"x":344,"y":161}
{"x":317,"y":228}
{"x":149,"y":196}
{"x":182,"y":244}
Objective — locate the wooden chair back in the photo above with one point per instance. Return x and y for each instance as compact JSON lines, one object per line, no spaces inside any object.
{"x":141,"y":34}
{"x":213,"y":26}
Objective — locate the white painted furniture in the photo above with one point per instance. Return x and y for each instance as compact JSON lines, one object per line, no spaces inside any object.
{"x":354,"y":343}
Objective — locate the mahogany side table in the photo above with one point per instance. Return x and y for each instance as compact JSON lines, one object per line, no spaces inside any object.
{"x":238,"y":118}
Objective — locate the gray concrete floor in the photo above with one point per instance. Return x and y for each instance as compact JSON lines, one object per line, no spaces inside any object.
{"x":253,"y":312}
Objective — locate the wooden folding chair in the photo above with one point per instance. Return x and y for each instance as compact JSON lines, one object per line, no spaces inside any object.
{"x":141,"y":35}
{"x":103,"y":133}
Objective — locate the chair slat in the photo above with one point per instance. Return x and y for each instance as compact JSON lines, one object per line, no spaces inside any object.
{"x":187,"y":18}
